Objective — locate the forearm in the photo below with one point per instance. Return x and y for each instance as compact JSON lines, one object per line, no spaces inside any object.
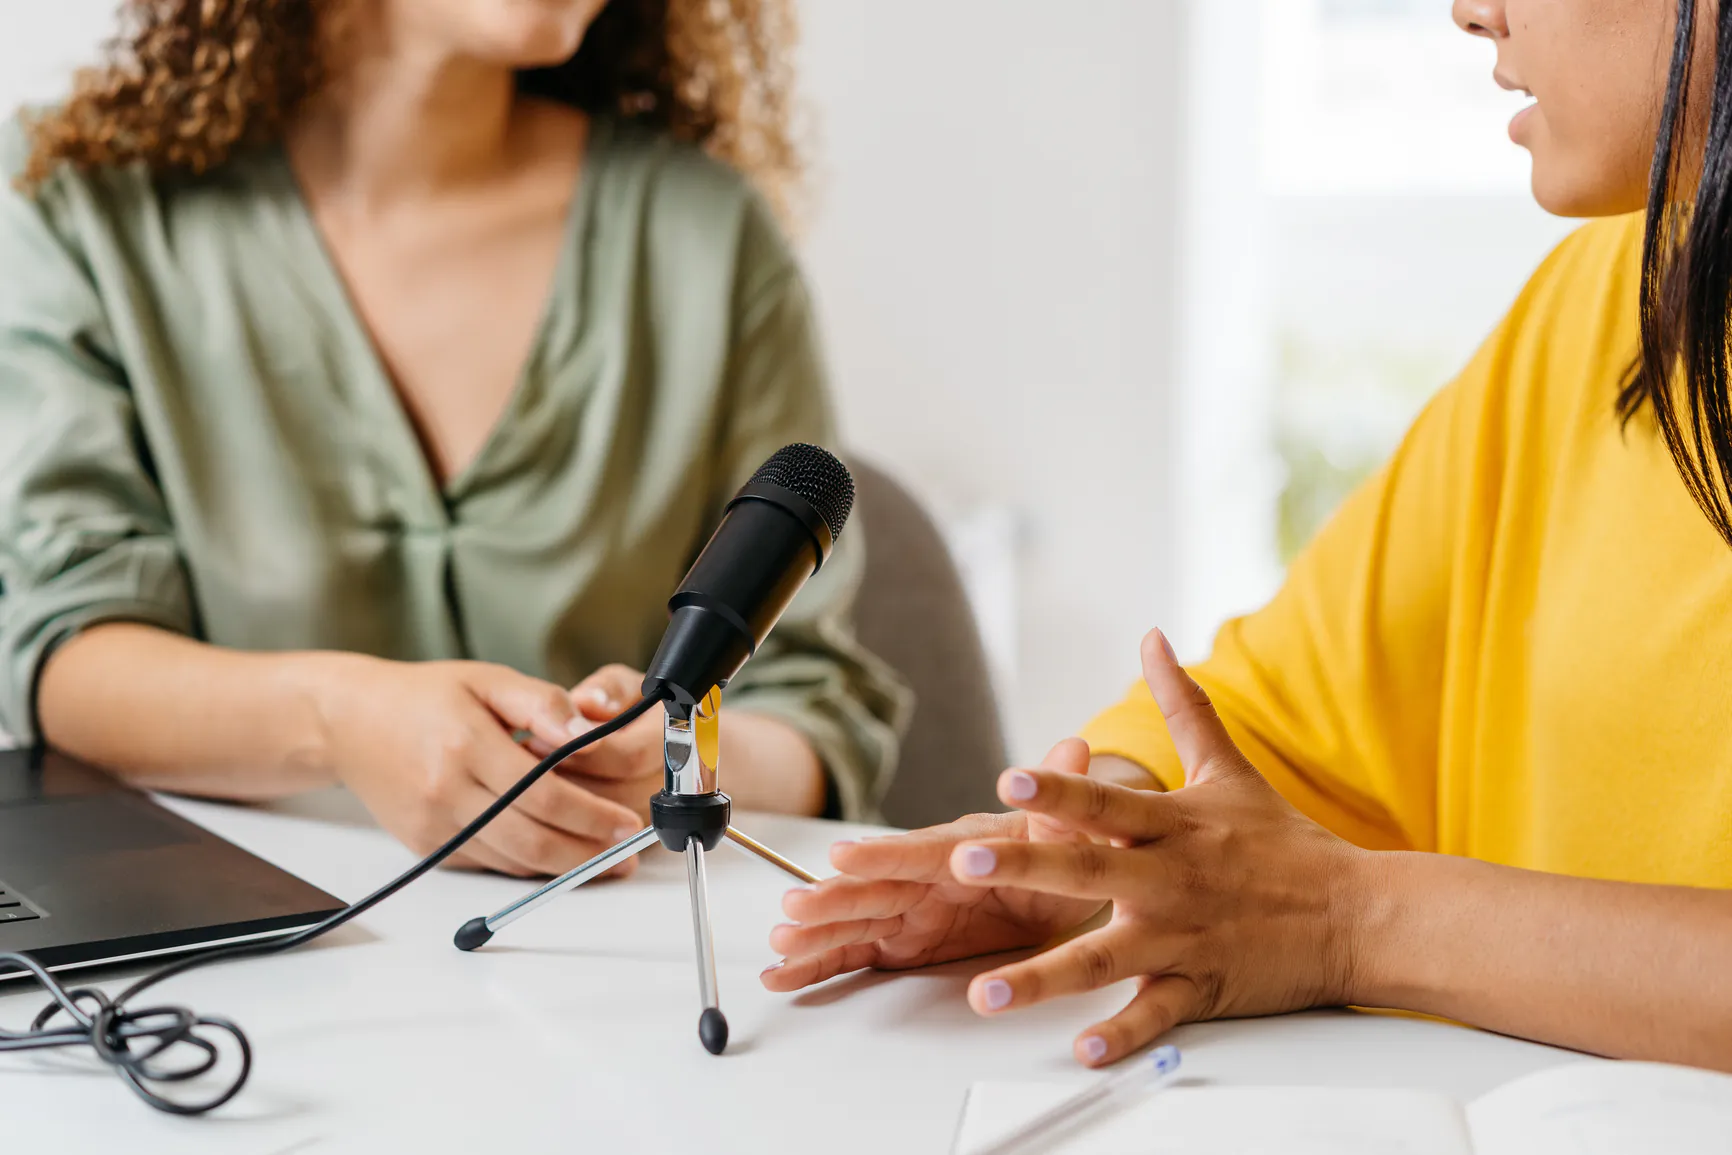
{"x":767,"y":765}
{"x":170,"y":713}
{"x":1630,"y":971}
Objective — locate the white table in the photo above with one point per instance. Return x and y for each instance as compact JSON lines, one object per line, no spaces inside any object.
{"x":575,"y":1030}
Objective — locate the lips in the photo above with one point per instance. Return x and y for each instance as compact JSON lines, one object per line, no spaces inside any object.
{"x":1510,"y":84}
{"x":1519,"y":120}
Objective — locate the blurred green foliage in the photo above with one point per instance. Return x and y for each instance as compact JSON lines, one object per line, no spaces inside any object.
{"x":1342,"y":406}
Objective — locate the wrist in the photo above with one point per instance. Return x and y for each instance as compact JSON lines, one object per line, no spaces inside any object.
{"x":1384,"y":893}
{"x":317,"y":686}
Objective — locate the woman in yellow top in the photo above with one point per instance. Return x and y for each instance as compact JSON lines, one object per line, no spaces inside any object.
{"x":1475,"y":759}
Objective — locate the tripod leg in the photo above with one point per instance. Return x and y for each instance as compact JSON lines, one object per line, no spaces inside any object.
{"x":712,"y":1025}
{"x":477,"y":931}
{"x":753,"y":846}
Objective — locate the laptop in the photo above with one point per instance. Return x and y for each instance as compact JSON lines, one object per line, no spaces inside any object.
{"x":92,"y":872}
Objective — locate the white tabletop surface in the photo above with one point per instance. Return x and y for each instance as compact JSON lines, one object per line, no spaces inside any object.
{"x":575,"y":1030}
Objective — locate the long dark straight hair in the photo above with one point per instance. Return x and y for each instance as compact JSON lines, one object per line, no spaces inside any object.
{"x":1683,"y":370}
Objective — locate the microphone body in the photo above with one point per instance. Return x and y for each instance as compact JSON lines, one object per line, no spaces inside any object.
{"x":775,"y":534}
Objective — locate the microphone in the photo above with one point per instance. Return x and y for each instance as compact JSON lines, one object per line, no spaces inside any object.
{"x":775,"y":534}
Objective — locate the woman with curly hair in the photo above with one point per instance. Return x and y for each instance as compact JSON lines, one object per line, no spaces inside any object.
{"x":370,"y":372}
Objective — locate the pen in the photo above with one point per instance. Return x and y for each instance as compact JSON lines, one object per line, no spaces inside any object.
{"x":1149,"y":1070}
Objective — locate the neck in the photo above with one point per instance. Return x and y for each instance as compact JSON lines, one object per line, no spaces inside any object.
{"x":405,"y":120}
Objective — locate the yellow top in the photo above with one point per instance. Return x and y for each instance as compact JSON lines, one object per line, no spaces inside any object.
{"x":1515,"y":642}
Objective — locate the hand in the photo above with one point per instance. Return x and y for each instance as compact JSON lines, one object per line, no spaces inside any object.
{"x":427,"y":746}
{"x":627,"y":768}
{"x":896,"y":905}
{"x":1226,"y":901}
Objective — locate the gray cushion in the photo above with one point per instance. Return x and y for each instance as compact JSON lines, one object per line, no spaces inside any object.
{"x":913,"y":612}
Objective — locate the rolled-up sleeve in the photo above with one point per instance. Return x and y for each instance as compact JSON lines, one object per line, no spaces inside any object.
{"x":84,"y":533}
{"x":812,"y":672}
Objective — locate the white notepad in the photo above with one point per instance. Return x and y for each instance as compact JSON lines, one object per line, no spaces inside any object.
{"x":1580,"y":1109}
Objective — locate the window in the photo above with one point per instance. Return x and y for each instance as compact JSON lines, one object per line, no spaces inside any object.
{"x":1358,"y":221}
{"x":1403,"y":229}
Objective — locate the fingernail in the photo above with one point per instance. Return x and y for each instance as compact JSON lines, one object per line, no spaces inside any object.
{"x":774,"y":966}
{"x":1095,"y":1048}
{"x":625,"y":832}
{"x":788,"y":926}
{"x":978,"y":861}
{"x":996,"y":993}
{"x":579,"y":726}
{"x":1171,"y":657}
{"x":1021,"y":786}
{"x":806,"y":889}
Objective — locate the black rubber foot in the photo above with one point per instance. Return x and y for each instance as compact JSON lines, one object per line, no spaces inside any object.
{"x":472,"y":934}
{"x":713,"y":1030}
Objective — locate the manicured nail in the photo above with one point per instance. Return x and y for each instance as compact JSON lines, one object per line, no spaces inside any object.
{"x":1020,"y":786}
{"x":775,"y":966}
{"x":978,"y":861}
{"x":1095,"y":1048}
{"x":997,"y":994}
{"x":1171,"y":657}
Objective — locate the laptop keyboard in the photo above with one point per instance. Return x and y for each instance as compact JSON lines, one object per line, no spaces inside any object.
{"x":12,"y":908}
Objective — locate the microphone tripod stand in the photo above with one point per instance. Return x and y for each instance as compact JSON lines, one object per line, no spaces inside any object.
{"x":690,"y":816}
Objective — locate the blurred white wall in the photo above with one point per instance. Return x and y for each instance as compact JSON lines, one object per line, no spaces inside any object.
{"x":995,"y":250}
{"x":41,"y":41}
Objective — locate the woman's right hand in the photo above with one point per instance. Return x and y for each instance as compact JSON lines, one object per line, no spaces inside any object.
{"x":897,"y":905}
{"x":427,"y":746}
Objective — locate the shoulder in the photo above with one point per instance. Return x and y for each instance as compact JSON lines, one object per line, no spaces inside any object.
{"x":1590,"y":284}
{"x":43,"y":210}
{"x":659,"y":166}
{"x":1549,"y":376}
{"x":15,"y":150}
{"x":689,"y":201}
{"x":76,"y":205}
{"x":14,"y":146}
{"x":64,"y":183}
{"x":118,"y":200}
{"x":1577,"y":320}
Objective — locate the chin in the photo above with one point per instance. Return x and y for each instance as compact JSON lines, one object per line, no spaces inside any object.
{"x":1575,"y":194}
{"x":531,"y":33}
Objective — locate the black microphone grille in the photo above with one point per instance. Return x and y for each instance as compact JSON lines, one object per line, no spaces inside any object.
{"x":817,"y":476}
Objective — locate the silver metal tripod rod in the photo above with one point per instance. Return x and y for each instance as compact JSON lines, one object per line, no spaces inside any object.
{"x":753,"y":846}
{"x":599,"y":865}
{"x":699,"y":887}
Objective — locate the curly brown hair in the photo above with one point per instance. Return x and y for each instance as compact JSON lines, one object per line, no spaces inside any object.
{"x":188,"y":83}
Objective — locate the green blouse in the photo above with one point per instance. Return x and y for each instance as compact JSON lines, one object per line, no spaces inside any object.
{"x":197,"y":432}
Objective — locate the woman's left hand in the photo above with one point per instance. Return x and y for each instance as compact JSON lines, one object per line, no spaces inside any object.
{"x":1227,"y":901}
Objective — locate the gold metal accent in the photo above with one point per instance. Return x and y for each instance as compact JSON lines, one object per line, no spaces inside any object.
{"x":770,"y":856}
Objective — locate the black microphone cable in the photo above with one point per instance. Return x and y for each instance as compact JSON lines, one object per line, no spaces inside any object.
{"x":132,"y":1042}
